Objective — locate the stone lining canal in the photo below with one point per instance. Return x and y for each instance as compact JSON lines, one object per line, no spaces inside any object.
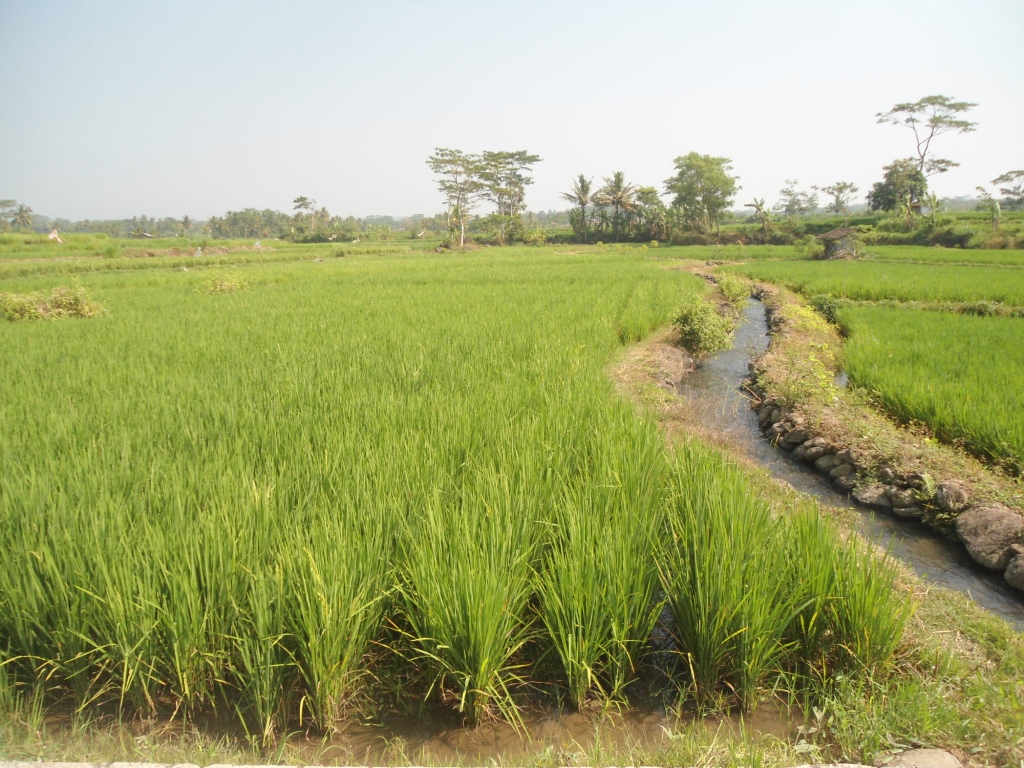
{"x":717,"y":385}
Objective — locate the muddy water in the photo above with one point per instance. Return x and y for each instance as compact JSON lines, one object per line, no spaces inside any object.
{"x":717,"y":385}
{"x":438,"y":737}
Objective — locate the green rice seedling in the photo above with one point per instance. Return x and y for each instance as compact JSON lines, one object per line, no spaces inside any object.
{"x":169,"y":477}
{"x":597,"y":587}
{"x":198,"y":576}
{"x":877,"y":281}
{"x":932,"y":255}
{"x":643,"y":310}
{"x":720,"y":570}
{"x":466,"y":586}
{"x":337,"y":599}
{"x":813,"y":553}
{"x":867,"y":618}
{"x":262,"y":665}
{"x":959,"y":374}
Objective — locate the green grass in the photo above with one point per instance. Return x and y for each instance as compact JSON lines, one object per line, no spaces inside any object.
{"x":751,"y":594}
{"x":875,"y":281}
{"x":930,"y":255}
{"x":959,"y":374}
{"x":397,"y":472}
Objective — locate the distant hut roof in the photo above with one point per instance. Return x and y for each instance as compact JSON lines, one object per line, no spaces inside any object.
{"x":839,"y":234}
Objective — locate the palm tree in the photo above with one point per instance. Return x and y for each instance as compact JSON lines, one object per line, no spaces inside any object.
{"x":581,"y":196}
{"x":22,"y":218}
{"x":762,"y":215}
{"x":619,"y":195}
{"x":186,"y":225}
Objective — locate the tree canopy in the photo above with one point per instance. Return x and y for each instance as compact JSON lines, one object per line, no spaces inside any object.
{"x":927,"y":118}
{"x":1011,"y":184}
{"x":842,"y":193}
{"x":903,"y":184}
{"x":703,"y":188}
{"x":498,"y":177}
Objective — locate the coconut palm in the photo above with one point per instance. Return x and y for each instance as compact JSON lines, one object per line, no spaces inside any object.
{"x":580,"y":195}
{"x":619,"y":195}
{"x":22,"y":218}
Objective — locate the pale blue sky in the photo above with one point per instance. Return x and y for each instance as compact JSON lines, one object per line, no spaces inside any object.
{"x":115,"y":108}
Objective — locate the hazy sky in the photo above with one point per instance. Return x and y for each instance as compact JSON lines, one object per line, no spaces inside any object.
{"x":112,"y":109}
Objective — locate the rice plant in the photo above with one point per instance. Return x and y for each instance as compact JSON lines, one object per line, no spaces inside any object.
{"x":876,"y":281}
{"x":726,"y":579}
{"x":598,"y":582}
{"x":219,"y":502}
{"x":466,"y":585}
{"x":959,"y":374}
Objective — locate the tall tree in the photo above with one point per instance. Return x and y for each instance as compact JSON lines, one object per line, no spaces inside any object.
{"x":903,"y":187}
{"x":580,"y":195}
{"x":930,"y":117}
{"x":842,"y":193}
{"x":22,"y":220}
{"x":650,"y":216}
{"x":991,"y":206}
{"x":618,"y":195}
{"x":459,"y":183}
{"x":794,"y":202}
{"x":304,"y":208}
{"x":503,"y":178}
{"x":1013,"y":189}
{"x":703,"y":188}
{"x":7,"y":208}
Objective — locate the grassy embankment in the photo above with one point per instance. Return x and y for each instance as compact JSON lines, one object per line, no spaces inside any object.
{"x":949,"y":369}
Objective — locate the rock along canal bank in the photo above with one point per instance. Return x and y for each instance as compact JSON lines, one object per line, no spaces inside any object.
{"x":720,"y":384}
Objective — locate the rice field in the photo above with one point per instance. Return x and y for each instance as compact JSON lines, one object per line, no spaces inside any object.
{"x":30,"y":255}
{"x":867,"y":280}
{"x":387,"y":476}
{"x":931,"y":255}
{"x":959,"y":374}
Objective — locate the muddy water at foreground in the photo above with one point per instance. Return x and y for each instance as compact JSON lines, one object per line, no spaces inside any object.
{"x":438,"y":737}
{"x":717,"y":386}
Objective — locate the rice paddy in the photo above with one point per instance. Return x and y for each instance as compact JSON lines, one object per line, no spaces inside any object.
{"x":397,"y":476}
{"x":875,"y":281}
{"x":931,"y":255}
{"x":959,"y":374}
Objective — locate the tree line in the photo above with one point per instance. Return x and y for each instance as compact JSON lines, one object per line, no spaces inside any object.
{"x":703,"y":188}
{"x":701,"y":191}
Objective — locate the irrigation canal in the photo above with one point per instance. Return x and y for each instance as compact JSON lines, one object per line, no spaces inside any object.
{"x":717,"y":384}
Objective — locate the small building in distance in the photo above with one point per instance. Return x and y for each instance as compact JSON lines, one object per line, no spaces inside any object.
{"x":841,"y":243}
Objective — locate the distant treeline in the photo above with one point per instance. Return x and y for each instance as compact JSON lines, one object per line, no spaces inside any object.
{"x":307,"y":226}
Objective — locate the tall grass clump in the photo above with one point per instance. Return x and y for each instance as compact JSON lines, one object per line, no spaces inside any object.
{"x":339,"y":594}
{"x":702,"y":330}
{"x":598,"y":581}
{"x":754,"y":596}
{"x":464,"y":591}
{"x":726,"y":579}
{"x":735,"y":289}
{"x":63,"y":301}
